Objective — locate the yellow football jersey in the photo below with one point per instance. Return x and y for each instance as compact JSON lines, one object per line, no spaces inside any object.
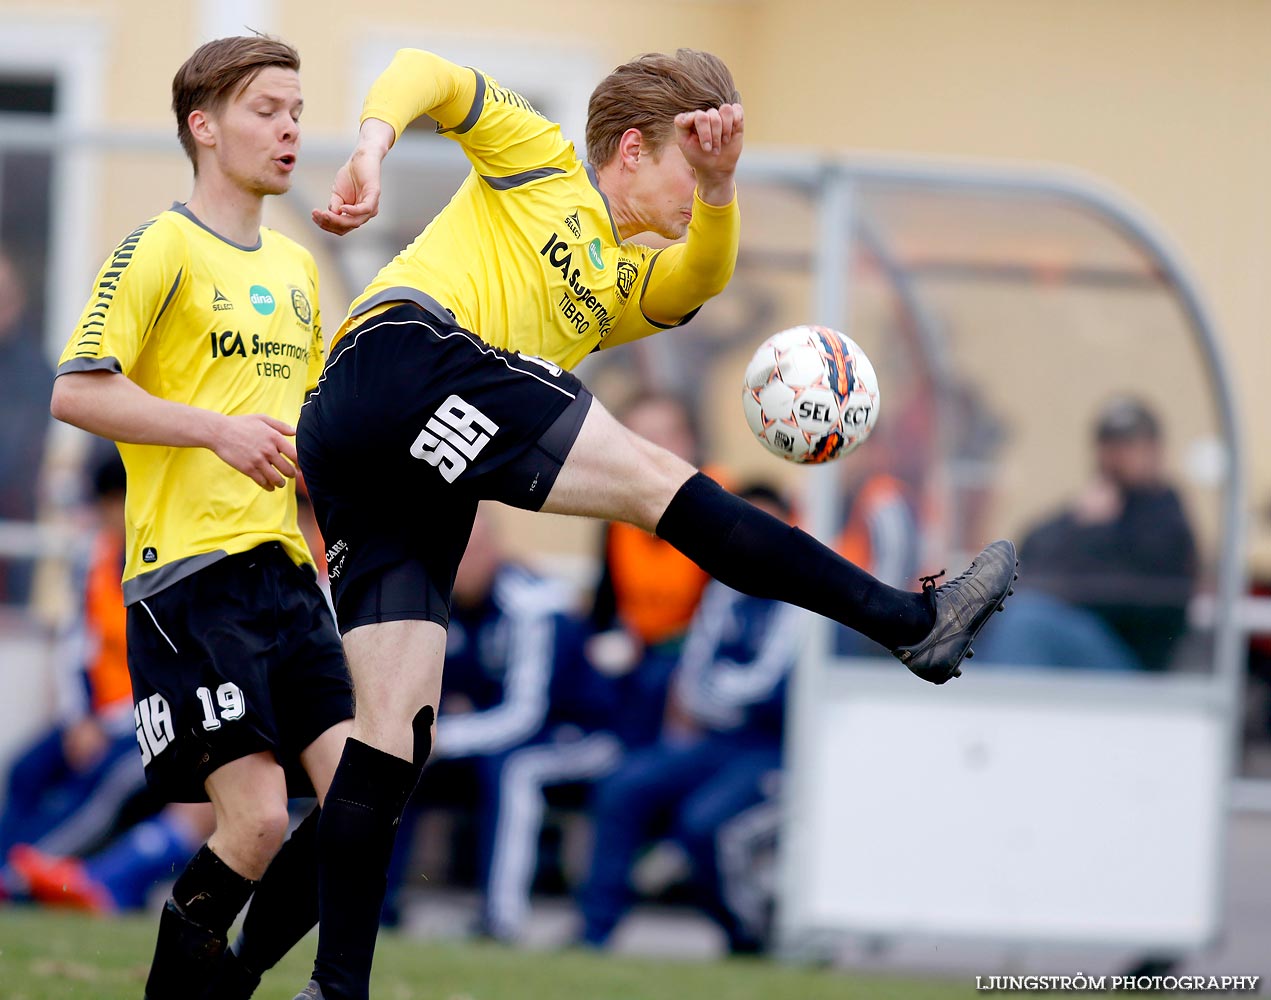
{"x":194,"y":318}
{"x":526,"y":254}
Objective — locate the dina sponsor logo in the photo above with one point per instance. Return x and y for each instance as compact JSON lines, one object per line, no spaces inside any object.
{"x":262,"y":299}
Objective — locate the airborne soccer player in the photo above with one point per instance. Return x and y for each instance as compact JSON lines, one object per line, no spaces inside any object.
{"x":194,"y":353}
{"x":449,"y":383}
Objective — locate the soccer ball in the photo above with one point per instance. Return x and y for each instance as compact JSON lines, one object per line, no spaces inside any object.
{"x":810,"y":394}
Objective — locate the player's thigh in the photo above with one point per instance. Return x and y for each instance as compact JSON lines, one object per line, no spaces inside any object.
{"x":396,"y":668}
{"x":614,"y":474}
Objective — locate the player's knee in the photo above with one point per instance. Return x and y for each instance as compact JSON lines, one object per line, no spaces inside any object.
{"x":660,"y":475}
{"x":257,"y":832}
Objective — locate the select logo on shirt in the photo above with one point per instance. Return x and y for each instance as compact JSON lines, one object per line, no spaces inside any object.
{"x":219,"y":302}
{"x":149,"y":554}
{"x":573,"y":225}
{"x":262,"y":299}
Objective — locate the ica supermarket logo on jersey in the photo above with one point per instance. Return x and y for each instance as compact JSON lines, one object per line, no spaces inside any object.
{"x":262,"y":299}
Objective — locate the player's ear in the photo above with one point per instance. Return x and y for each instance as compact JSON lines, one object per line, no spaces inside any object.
{"x":630,"y":146}
{"x":202,"y":127}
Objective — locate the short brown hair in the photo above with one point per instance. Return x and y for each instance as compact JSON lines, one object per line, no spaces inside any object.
{"x":220,"y":69}
{"x":648,"y":92}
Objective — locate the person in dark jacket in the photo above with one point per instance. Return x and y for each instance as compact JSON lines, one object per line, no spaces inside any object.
{"x":1109,"y":576}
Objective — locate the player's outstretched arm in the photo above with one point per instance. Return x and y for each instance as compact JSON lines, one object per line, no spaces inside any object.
{"x":113,"y":406}
{"x":355,"y":194}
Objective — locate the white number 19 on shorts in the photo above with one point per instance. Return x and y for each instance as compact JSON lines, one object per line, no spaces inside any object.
{"x":453,"y":437}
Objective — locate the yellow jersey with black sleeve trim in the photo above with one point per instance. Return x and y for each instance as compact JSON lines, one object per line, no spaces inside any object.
{"x":526,"y":254}
{"x":191,"y":317}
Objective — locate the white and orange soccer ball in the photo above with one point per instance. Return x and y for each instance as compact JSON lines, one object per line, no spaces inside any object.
{"x":810,"y":394}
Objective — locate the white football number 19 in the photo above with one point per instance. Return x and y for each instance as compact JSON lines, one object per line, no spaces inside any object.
{"x":230,"y":698}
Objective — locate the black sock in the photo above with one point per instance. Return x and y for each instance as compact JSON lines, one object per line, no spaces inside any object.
{"x":192,"y":928}
{"x":355,"y":841}
{"x":284,"y":907}
{"x":758,"y":554}
{"x":210,"y":892}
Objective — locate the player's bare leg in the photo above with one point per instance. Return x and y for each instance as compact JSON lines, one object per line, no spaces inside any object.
{"x":614,"y":474}
{"x":284,"y":907}
{"x":249,"y":797}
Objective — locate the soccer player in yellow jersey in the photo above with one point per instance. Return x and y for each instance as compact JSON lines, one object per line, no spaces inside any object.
{"x":449,"y":383}
{"x":195,"y":351}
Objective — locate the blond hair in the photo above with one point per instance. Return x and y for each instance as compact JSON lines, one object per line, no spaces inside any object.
{"x":648,"y":92}
{"x":218,"y":71}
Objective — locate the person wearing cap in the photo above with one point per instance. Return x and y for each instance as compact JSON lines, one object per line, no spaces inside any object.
{"x":1110,"y":574}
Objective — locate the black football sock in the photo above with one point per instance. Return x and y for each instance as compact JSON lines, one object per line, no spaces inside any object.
{"x":193,"y":926}
{"x":284,"y":909}
{"x":760,"y":555}
{"x":355,"y":841}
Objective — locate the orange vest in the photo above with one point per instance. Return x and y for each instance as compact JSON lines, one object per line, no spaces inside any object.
{"x":656,"y":589}
{"x":106,"y":621}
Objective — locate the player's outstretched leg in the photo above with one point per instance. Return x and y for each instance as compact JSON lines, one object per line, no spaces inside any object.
{"x":614,"y":474}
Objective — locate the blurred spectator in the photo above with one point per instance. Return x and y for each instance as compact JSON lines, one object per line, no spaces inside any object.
{"x":121,"y":874}
{"x":1106,"y":581}
{"x":521,"y":710}
{"x":713,"y":761}
{"x":66,"y":791}
{"x":648,"y":590}
{"x":26,"y":379}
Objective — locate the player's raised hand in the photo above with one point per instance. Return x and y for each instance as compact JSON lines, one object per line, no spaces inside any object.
{"x":711,"y":140}
{"x":260,"y":447}
{"x":355,"y":194}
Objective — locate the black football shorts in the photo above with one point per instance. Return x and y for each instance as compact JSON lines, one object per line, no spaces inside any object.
{"x":238,"y":658}
{"x":414,"y":421}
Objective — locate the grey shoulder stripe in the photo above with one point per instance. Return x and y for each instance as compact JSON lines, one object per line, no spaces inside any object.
{"x":525,"y":177}
{"x":474,"y":112}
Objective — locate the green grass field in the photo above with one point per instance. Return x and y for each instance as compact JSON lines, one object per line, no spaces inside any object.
{"x":45,"y":956}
